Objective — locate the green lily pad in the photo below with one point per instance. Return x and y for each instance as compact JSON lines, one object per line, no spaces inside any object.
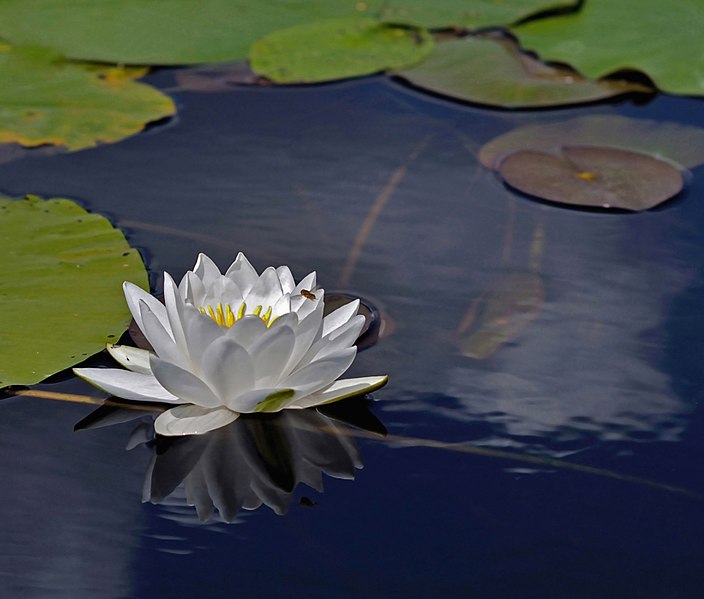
{"x":161,"y":32}
{"x":60,"y":286}
{"x":336,"y":49}
{"x":663,"y":41}
{"x":473,"y":14}
{"x":489,"y":71}
{"x":681,"y":144}
{"x":593,"y":176}
{"x":44,"y":100}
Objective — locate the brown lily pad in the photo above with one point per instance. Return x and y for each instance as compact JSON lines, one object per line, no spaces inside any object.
{"x":593,"y":176}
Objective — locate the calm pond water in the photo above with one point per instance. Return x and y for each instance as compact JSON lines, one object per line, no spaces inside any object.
{"x":590,"y":353}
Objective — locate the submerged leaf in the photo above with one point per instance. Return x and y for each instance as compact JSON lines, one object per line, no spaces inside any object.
{"x":493,"y":72}
{"x":462,"y":13}
{"x":60,"y":286}
{"x":593,"y":176}
{"x":663,"y":41}
{"x":336,"y":49}
{"x":500,"y":314}
{"x":44,"y":100}
{"x":683,"y":144}
{"x":160,"y":32}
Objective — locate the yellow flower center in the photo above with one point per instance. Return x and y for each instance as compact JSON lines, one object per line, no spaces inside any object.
{"x":226,"y":317}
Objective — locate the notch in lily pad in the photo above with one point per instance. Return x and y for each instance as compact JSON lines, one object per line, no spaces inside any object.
{"x":594,"y":177}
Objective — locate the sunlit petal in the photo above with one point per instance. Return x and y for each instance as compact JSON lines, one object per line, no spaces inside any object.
{"x":132,"y":358}
{"x":192,"y":420}
{"x":206,"y":270}
{"x":184,"y":385}
{"x":286,"y":279}
{"x":242,"y":273}
{"x":339,"y":317}
{"x":134,"y":295}
{"x":340,"y":389}
{"x":228,"y":368}
{"x":127,"y":384}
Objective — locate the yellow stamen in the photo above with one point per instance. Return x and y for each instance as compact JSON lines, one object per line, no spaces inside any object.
{"x":224,"y":316}
{"x":229,"y":316}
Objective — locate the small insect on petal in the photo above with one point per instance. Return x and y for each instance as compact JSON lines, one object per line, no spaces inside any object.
{"x":307,"y":294}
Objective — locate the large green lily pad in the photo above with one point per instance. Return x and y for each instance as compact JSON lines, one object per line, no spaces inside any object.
{"x":44,"y":100}
{"x":337,"y":48}
{"x":593,"y":177}
{"x":662,"y":40}
{"x":161,"y":31}
{"x":60,"y":286}
{"x":681,"y":144}
{"x":471,"y":14}
{"x":490,"y":71}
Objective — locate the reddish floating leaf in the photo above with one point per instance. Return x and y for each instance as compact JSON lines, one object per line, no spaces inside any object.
{"x":593,"y":176}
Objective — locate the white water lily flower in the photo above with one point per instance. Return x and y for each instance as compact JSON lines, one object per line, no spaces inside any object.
{"x":226,"y":344}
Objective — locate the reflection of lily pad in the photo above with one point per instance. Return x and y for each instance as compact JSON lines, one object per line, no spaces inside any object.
{"x":337,"y":48}
{"x":500,"y":314}
{"x":46,"y":101}
{"x":472,"y":14}
{"x":491,"y":72}
{"x":60,"y":286}
{"x":593,"y":176}
{"x":662,"y":40}
{"x":680,"y":143}
{"x":216,"y":78}
{"x":160,"y":31}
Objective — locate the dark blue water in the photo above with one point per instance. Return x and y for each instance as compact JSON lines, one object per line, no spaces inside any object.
{"x":603,"y":371}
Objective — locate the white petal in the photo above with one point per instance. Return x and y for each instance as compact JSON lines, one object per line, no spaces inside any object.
{"x":134,"y":294}
{"x":247,"y":330}
{"x":162,"y":342}
{"x":242,"y":273}
{"x":307,"y":283}
{"x":270,"y":354}
{"x":286,"y":279}
{"x":174,"y":311}
{"x":126,"y":384}
{"x":282,"y":306}
{"x":192,"y":420}
{"x":247,"y":402}
{"x":339,"y":317}
{"x":227,"y":368}
{"x":132,"y":358}
{"x":201,"y":331}
{"x":223,"y":291}
{"x":307,"y":332}
{"x":342,"y":337}
{"x":321,"y":373}
{"x":206,"y":270}
{"x":304,"y":306}
{"x":265,"y":292}
{"x":192,"y":289}
{"x":183,"y":384}
{"x":340,"y":390}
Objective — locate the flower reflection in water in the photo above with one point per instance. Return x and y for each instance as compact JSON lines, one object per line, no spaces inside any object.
{"x":258,"y":459}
